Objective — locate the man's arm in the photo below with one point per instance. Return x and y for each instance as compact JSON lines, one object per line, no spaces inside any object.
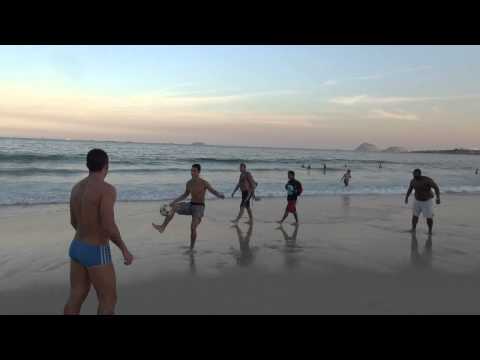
{"x":73,"y":220}
{"x":236,"y":188}
{"x":437,"y":190}
{"x":107,"y":216}
{"x":213,"y":191}
{"x":181,"y":197}
{"x":410,"y":188}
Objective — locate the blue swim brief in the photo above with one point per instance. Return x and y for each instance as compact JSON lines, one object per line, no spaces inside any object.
{"x":90,"y":255}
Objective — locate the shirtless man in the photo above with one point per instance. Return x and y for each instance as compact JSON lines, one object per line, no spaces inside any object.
{"x":423,"y":198}
{"x":247,"y":185}
{"x":92,"y":216}
{"x":196,"y":187}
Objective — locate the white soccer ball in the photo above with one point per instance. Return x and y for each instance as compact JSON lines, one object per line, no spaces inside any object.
{"x":165,"y":210}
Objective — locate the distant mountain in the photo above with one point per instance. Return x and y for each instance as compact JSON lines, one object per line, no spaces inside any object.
{"x":395,"y":149}
{"x":198,"y":143}
{"x":366,"y":147}
{"x":453,"y":151}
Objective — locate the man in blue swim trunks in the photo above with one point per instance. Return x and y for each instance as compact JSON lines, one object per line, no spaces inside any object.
{"x":92,"y":216}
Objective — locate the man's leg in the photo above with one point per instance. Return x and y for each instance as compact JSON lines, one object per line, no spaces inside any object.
{"x":104,"y":283}
{"x":193,"y":231}
{"x":79,"y":288}
{"x":250,"y":215}
{"x":284,"y":216}
{"x":161,"y":228}
{"x":430,"y":225}
{"x":296,"y":216}
{"x":414,"y":223}
{"x":240,"y":214}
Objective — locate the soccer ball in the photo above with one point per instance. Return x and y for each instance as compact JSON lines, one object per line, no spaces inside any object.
{"x":165,"y":210}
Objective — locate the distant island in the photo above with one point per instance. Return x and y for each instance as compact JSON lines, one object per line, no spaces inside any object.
{"x":453,"y":151}
{"x":198,"y":143}
{"x":366,"y":147}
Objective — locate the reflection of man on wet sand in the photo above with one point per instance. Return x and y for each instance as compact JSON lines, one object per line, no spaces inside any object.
{"x":290,"y":241}
{"x":291,"y":260}
{"x":423,"y":260}
{"x":246,"y":254}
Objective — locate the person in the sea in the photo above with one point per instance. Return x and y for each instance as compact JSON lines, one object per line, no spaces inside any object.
{"x":294,"y":190}
{"x":92,"y":203}
{"x":346,"y":177}
{"x":476,"y":171}
{"x":247,"y":186}
{"x":196,"y":187}
{"x":423,"y":203}
{"x":324,"y":168}
{"x":379,"y":164}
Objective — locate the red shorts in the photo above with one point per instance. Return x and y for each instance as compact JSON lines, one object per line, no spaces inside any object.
{"x":292,"y":206}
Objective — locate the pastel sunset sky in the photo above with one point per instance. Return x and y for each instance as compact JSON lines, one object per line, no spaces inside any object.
{"x":290,"y":96}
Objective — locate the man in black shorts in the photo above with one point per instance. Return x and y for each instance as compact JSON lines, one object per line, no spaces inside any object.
{"x":247,"y":185}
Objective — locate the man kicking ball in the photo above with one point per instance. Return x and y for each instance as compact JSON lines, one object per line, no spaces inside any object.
{"x":423,"y":198}
{"x":196,"y":187}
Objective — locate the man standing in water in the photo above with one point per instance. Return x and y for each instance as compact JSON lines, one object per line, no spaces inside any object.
{"x":294,"y":190}
{"x":92,"y":216}
{"x":346,"y":177}
{"x":423,"y":198}
{"x":196,"y":187}
{"x":247,"y":185}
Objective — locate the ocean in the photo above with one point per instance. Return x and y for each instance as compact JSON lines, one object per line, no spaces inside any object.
{"x":44,"y":171}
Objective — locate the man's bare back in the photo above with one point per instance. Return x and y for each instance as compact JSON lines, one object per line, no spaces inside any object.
{"x":85,"y":206}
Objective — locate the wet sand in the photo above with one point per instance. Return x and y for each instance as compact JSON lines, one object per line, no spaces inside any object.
{"x":350,"y":255}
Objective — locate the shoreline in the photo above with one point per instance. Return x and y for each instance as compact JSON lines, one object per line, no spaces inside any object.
{"x":263,"y":198}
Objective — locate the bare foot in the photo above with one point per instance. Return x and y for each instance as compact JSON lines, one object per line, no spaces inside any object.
{"x":249,"y":222}
{"x":234,"y":221}
{"x":279,"y":222}
{"x":160,"y":228}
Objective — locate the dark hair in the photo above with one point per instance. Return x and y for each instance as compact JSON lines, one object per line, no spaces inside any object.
{"x":417,"y":171}
{"x":97,"y":159}
{"x":243,"y":164}
{"x":197,"y":166}
{"x":291,"y":173}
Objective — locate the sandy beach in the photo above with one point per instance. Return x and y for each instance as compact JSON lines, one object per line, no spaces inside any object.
{"x":351,"y":255}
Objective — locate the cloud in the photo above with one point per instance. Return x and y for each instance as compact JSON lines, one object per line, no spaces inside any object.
{"x":392,"y":72}
{"x":329,"y":83}
{"x":366,"y":99}
{"x":382,"y":114}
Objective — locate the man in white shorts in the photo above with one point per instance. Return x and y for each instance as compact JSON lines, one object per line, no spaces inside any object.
{"x":423,"y":198}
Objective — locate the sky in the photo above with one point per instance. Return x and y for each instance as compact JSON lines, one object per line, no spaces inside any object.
{"x":327,"y":97}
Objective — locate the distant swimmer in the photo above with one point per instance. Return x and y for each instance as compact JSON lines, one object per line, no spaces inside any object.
{"x":324,"y":168}
{"x":346,"y":177}
{"x":196,"y":187}
{"x":476,"y":171}
{"x":92,"y":216}
{"x":247,"y":186}
{"x":379,"y":164}
{"x":423,"y":198}
{"x":309,"y":167}
{"x":294,"y":190}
